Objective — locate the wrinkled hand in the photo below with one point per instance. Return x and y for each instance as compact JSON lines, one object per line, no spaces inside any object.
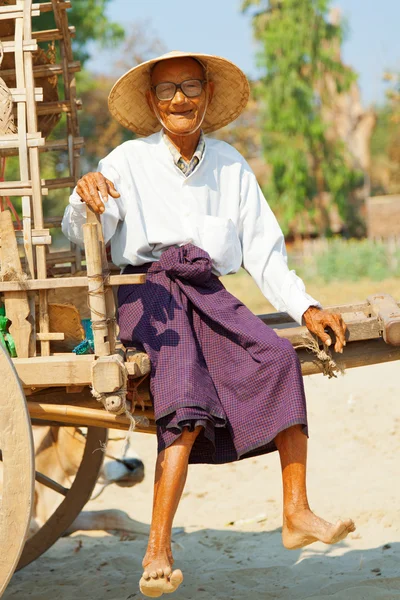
{"x":317,"y":320}
{"x":94,"y":188}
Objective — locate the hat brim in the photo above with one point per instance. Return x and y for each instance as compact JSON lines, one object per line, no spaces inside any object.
{"x":128,"y":104}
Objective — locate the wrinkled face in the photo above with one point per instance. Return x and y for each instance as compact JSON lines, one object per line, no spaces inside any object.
{"x":183,"y":114}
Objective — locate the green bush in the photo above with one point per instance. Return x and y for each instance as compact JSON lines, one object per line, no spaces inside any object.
{"x":351,"y":260}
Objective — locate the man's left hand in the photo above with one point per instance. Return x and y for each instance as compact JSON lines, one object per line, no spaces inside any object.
{"x":317,"y":320}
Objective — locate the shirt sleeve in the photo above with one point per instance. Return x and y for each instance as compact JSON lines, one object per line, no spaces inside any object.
{"x":75,"y":213}
{"x":264,"y":252}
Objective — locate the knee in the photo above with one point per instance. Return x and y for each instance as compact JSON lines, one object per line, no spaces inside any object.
{"x":188,"y":437}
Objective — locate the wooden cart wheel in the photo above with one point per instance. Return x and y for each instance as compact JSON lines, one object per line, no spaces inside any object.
{"x":75,"y":498}
{"x":17,"y":454}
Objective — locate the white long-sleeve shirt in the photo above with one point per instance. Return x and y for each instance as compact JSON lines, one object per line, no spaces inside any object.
{"x":219,"y":208}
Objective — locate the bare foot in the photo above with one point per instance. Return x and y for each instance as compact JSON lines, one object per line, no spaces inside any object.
{"x":158,"y":577}
{"x":304,"y":527}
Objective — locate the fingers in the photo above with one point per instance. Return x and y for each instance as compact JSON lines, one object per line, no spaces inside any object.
{"x":321,"y":333}
{"x":111,"y":189}
{"x":334,"y":322}
{"x":101,"y":183}
{"x":339,"y":328}
{"x":94,"y":189}
{"x":85,"y":192}
{"x":318,"y":321}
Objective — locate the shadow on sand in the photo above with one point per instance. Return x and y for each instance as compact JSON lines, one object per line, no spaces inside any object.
{"x":217,"y":564}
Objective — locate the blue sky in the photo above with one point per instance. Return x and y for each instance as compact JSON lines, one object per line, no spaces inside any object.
{"x":218,"y":27}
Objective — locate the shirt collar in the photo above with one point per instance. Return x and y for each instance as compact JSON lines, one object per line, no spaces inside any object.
{"x":177,"y":157}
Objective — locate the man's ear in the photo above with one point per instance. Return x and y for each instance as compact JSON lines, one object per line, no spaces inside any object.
{"x":149,"y":101}
{"x":211,"y":87}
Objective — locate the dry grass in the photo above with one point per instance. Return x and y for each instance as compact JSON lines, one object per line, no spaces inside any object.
{"x":243,"y":287}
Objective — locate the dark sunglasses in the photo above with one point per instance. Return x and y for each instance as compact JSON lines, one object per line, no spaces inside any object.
{"x":191,"y":88}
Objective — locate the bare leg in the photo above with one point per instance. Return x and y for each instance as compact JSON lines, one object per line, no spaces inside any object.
{"x":300,"y":525}
{"x":171,"y":471}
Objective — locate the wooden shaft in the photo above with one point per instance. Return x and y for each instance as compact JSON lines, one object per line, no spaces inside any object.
{"x":97,"y":300}
{"x":356,"y":354}
{"x":83,"y":417}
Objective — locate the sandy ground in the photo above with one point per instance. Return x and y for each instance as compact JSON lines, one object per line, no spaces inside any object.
{"x":231,"y":548}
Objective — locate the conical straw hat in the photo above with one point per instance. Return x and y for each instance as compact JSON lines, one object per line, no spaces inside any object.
{"x":127,"y":100}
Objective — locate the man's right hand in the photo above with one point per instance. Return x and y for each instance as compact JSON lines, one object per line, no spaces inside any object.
{"x":94,"y":189}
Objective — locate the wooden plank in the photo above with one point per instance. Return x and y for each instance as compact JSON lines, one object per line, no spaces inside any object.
{"x":54,"y":145}
{"x":21,"y":192}
{"x":16,"y":302}
{"x":51,"y":336}
{"x":67,"y":282}
{"x":55,"y":370}
{"x":358,"y":328}
{"x":52,"y":34}
{"x":61,"y":182}
{"x":19,"y":95}
{"x":278,"y":318}
{"x":11,"y":142}
{"x":387,"y":310}
{"x":56,"y":107}
{"x":45,"y":239}
{"x":48,"y":6}
{"x":56,"y":258}
{"x":13,"y":12}
{"x":40,"y":71}
{"x":27,"y":46}
{"x":12,"y":184}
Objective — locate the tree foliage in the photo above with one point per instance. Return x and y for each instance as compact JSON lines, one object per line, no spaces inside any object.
{"x":385,"y":143}
{"x":299,"y":55}
{"x":91,"y":23}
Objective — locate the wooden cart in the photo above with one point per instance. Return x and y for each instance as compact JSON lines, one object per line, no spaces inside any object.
{"x":43,"y":386}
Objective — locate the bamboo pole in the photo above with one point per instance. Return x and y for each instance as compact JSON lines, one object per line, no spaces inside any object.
{"x":97,"y":300}
{"x":22,"y":134}
{"x":44,"y":319}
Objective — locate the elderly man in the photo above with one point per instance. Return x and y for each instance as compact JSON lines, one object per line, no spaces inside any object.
{"x":186,"y":209}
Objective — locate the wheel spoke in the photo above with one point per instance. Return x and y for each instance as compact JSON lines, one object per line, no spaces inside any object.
{"x":50,"y":483}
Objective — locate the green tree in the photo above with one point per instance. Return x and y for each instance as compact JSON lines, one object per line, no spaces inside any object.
{"x":91,"y":23}
{"x":299,"y":55}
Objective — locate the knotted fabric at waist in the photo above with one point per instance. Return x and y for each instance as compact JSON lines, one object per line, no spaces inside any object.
{"x":186,"y":262}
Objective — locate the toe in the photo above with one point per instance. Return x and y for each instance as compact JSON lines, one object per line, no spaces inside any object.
{"x":153,"y":575}
{"x":351,"y":526}
{"x":176,"y":578}
{"x":160,"y":572}
{"x":147,"y":589}
{"x":146,"y":575}
{"x":167,"y":571}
